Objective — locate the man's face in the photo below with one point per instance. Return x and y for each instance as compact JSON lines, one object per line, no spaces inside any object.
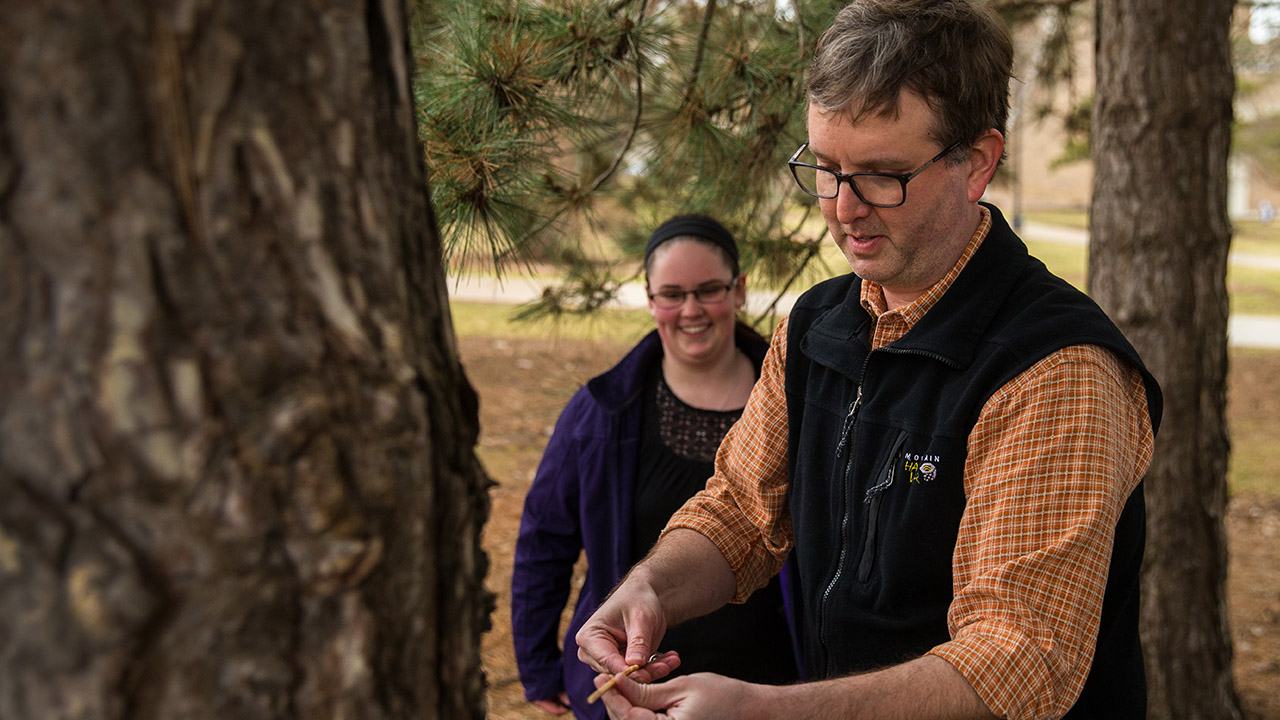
{"x":906,"y":248}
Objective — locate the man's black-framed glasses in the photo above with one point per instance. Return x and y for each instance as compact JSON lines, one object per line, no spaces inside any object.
{"x":710,"y":293}
{"x":877,"y":189}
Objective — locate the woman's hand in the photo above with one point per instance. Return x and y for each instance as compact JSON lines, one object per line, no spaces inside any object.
{"x":558,"y":706}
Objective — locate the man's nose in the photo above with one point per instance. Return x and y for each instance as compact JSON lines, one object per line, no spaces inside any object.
{"x":849,"y":206}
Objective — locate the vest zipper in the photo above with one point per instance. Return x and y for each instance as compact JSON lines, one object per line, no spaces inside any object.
{"x":872,"y":499}
{"x":846,"y":430}
{"x":891,"y":350}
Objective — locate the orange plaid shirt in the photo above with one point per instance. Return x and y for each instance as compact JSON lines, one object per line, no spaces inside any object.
{"x":1053,"y":458}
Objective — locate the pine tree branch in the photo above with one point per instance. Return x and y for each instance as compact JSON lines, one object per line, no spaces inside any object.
{"x":802,"y":47}
{"x":617,"y":160}
{"x":702,"y":48}
{"x":620,"y":5}
{"x":814,"y":248}
{"x":635,"y":121}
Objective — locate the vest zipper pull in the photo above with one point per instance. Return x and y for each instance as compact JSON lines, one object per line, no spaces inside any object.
{"x":848,"y":422}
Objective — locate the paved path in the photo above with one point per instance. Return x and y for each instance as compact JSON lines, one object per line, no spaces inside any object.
{"x":1258,"y":331}
{"x":1073,"y":236}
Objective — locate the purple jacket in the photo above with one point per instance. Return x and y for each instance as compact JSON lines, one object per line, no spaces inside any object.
{"x":581,"y":499}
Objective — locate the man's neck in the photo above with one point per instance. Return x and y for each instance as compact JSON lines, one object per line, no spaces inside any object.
{"x":898,"y":298}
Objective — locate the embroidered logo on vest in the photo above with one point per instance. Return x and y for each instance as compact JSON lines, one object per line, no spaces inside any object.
{"x":920,"y":468}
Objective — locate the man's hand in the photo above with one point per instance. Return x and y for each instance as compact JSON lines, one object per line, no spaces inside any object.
{"x":625,"y":630}
{"x":558,"y":706}
{"x":703,"y":696}
{"x":684,"y":576}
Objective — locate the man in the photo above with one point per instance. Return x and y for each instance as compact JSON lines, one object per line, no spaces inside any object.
{"x":951,"y":438}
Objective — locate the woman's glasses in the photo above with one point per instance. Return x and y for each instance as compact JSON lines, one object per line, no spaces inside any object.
{"x":706,"y":294}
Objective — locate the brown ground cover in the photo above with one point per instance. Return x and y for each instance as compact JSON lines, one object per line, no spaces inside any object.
{"x":523,"y":384}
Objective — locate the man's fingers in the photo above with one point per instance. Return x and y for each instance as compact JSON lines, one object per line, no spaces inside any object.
{"x":631,"y":700}
{"x":638,"y":650}
{"x":599,"y":650}
{"x":623,"y":631}
{"x":659,"y":668}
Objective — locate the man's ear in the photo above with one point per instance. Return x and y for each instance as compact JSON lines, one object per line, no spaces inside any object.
{"x":984,"y":156}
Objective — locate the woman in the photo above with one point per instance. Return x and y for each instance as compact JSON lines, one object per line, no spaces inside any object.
{"x":631,"y":446}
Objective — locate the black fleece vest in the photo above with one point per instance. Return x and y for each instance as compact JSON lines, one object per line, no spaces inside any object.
{"x":876,"y":455}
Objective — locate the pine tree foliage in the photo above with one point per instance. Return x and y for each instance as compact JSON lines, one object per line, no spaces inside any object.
{"x":559,"y":126}
{"x":559,"y":131}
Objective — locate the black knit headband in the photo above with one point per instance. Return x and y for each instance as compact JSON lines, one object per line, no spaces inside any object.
{"x":698,"y":225}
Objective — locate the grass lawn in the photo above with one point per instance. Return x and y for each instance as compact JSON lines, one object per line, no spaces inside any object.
{"x":1254,"y":291}
{"x":492,"y":320}
{"x":1069,"y":262}
{"x":1064,"y":218}
{"x":1253,"y":411}
{"x":1253,"y":237}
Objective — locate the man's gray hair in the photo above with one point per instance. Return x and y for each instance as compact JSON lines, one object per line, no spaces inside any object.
{"x":956,"y":55}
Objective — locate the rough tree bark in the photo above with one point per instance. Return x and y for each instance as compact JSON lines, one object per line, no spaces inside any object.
{"x":237,"y":471}
{"x":1161,"y":135}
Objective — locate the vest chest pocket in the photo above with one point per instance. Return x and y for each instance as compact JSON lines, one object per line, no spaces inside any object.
{"x":911,"y":515}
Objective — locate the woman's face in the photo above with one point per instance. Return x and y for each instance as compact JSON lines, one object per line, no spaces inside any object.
{"x":694,"y":333}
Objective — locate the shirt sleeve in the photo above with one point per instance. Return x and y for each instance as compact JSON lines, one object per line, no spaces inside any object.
{"x":743,"y":509}
{"x":547,"y":546}
{"x":1052,"y":460}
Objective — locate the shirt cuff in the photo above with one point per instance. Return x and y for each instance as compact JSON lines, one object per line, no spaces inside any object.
{"x":753,"y":564}
{"x":1010,"y":671}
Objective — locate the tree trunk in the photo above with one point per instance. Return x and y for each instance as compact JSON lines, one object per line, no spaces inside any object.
{"x":1161,"y":135}
{"x":236,"y":447}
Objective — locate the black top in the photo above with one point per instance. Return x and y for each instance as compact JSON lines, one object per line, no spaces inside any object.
{"x":678,"y":443}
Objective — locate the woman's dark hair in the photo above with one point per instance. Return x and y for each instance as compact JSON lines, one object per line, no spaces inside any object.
{"x":699,"y":228}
